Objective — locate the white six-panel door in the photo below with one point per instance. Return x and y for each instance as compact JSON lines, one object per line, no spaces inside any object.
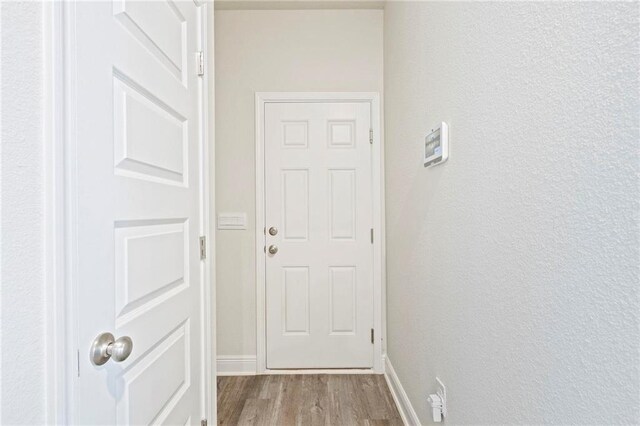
{"x":135,"y":209}
{"x":318,"y":195}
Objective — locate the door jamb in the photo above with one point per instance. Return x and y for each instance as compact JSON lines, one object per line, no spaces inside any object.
{"x":58,"y":136}
{"x":58,"y":377}
{"x":207,"y":205}
{"x":373,"y":98}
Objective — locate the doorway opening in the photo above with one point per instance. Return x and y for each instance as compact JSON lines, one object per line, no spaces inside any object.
{"x":319,"y":255}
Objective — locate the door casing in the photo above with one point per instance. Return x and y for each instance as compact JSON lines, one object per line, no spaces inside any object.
{"x":61,"y":319}
{"x":373,"y":98}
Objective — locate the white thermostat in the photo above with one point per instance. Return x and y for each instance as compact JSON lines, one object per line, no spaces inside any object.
{"x":436,"y":145}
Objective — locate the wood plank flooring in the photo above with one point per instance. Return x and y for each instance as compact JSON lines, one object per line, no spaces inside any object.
{"x":336,"y":400}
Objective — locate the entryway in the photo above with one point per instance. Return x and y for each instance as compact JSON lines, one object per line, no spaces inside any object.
{"x":319,"y":207}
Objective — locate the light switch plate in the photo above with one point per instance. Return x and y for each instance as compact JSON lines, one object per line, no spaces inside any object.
{"x":232,"y":221}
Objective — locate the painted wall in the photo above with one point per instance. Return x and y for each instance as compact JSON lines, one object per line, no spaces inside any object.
{"x":513,"y":268}
{"x":22,"y":351}
{"x":283,"y":50}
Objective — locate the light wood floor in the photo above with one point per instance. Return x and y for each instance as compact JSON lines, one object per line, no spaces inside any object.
{"x":283,"y":400}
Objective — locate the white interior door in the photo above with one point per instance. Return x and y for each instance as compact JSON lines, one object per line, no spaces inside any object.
{"x":136,"y":210}
{"x":318,"y":196}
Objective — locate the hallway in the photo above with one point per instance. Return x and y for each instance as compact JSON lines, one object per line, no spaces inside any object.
{"x":306,"y":400}
{"x":319,"y":212}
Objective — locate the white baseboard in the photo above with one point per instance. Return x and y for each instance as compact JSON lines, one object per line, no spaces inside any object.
{"x":236,"y":365}
{"x":408,"y":414}
{"x":246,"y":365}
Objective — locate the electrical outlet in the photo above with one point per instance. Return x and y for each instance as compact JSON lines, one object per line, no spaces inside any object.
{"x":442,"y":393}
{"x":438,"y":402}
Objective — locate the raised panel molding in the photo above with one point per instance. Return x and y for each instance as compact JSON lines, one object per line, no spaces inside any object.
{"x":140,"y":117}
{"x":342,"y":133}
{"x":171,"y":356}
{"x":168,"y":44}
{"x":342,"y":204}
{"x":295,"y":208}
{"x":342,"y":299}
{"x":295,"y":134}
{"x":295,"y":300}
{"x":151,"y":265}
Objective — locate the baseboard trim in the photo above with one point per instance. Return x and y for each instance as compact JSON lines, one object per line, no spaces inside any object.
{"x":408,"y":414}
{"x":236,"y":365}
{"x":246,"y":365}
{"x":321,"y":371}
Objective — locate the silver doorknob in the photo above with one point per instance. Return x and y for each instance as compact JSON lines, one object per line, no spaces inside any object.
{"x":273,"y":249}
{"x":273,"y":231}
{"x":106,"y":347}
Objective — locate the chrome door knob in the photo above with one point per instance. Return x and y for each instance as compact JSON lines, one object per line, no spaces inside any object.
{"x":273,"y":249}
{"x":273,"y":231}
{"x":106,"y":347}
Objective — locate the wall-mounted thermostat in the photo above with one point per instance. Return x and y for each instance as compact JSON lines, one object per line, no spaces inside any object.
{"x":436,"y":145}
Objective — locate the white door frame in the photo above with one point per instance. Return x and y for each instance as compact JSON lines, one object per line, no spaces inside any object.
{"x":262,"y":98}
{"x":61,"y":318}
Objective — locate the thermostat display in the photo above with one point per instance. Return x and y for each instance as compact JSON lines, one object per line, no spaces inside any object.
{"x":436,"y":145}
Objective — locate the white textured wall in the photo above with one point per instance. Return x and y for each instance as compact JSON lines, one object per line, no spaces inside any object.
{"x":22,"y":349}
{"x":279,"y":50}
{"x":513,"y":269}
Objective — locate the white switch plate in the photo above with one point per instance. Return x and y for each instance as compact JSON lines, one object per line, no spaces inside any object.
{"x":232,"y":221}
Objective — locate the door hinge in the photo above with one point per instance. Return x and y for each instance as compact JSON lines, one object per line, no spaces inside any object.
{"x":78,"y":361}
{"x":200,"y":62}
{"x":203,"y":422}
{"x":203,"y":248}
{"x":371,"y":136}
{"x":372,"y":335}
{"x":371,"y":235}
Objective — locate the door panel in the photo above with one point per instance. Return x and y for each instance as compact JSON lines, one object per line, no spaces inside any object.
{"x":295,"y":300}
{"x":136,"y":208}
{"x":318,"y":193}
{"x":342,"y":204}
{"x":295,"y":204}
{"x":154,"y":153}
{"x":342,"y":300}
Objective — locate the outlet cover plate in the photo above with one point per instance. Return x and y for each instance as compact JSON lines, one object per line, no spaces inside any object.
{"x":442,"y":393}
